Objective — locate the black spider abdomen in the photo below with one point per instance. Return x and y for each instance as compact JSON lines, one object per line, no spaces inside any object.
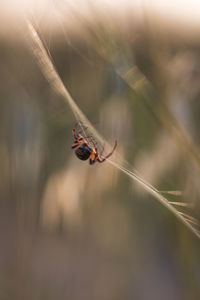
{"x":83,"y":152}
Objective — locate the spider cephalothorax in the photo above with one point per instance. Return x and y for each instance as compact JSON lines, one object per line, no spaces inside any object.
{"x":85,"y":147}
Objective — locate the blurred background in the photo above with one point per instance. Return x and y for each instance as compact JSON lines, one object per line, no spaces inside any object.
{"x":69,"y":230}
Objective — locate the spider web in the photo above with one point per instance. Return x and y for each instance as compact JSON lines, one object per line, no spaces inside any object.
{"x":48,"y":69}
{"x":89,"y":139}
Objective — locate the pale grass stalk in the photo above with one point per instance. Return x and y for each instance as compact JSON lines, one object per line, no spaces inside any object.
{"x":174,"y":193}
{"x":182,"y":204}
{"x":37,"y":48}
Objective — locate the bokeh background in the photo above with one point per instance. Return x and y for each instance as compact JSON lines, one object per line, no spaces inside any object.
{"x":73,"y":231}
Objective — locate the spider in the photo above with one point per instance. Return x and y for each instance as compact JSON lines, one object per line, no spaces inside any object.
{"x":85,"y":149}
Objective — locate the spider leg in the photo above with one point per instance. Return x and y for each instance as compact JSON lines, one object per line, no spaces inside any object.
{"x":74,"y":131}
{"x":86,"y":137}
{"x":100,"y":160}
{"x":93,"y":157}
{"x":86,"y":127}
{"x":82,"y":130}
{"x":76,"y":135}
{"x":77,"y":143}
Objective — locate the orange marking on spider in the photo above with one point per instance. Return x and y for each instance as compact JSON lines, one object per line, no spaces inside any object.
{"x":86,"y":149}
